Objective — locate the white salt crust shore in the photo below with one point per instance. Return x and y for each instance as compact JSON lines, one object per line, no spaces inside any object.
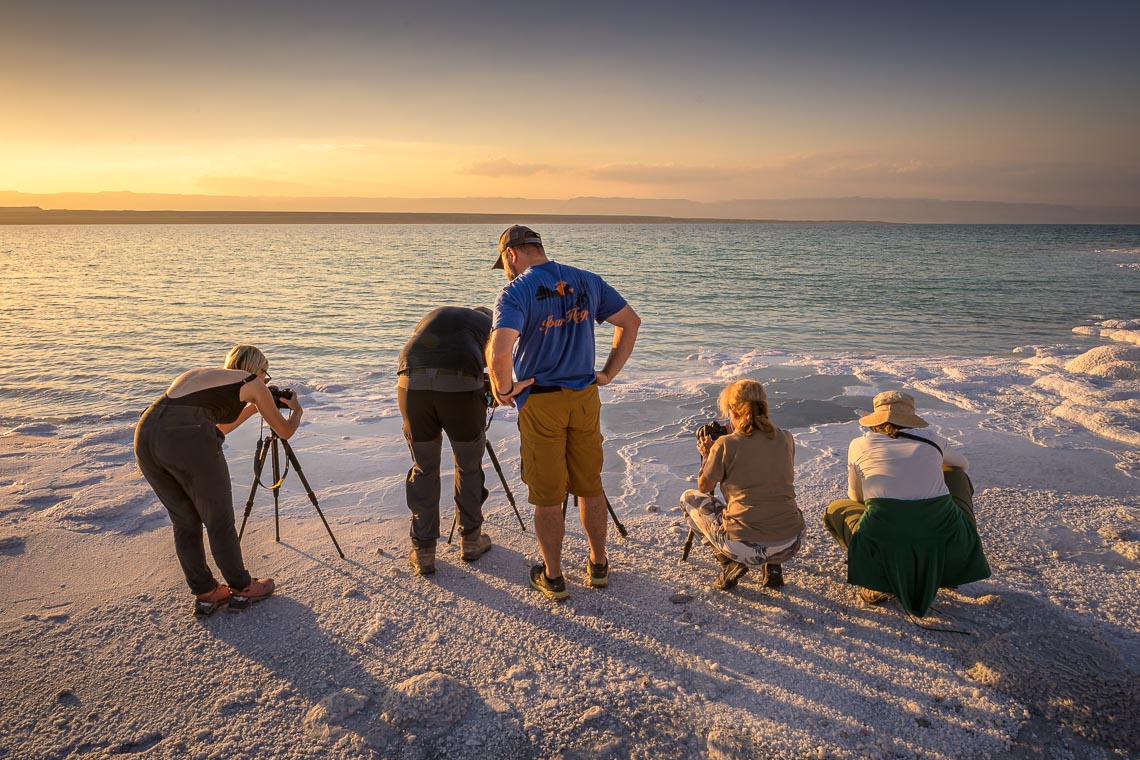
{"x":359,"y":658}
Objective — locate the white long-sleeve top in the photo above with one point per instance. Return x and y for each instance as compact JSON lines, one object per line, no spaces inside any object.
{"x":879,"y":466}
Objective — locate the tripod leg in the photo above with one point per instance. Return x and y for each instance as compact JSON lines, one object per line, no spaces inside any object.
{"x":565,"y":499}
{"x":617,"y":522}
{"x":308,"y":490}
{"x":276,"y":488}
{"x":454,"y":520}
{"x":258,"y":465}
{"x":510,"y":496}
{"x":688,"y":545}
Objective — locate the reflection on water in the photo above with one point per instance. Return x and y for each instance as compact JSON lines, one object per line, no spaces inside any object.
{"x":98,"y":319}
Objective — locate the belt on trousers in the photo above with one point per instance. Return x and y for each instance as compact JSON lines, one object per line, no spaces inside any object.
{"x":435,"y":371}
{"x":551,"y":388}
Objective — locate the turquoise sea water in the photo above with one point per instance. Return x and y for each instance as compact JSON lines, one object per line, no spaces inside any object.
{"x":96,"y":320}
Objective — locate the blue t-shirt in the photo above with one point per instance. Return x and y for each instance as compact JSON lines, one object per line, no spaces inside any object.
{"x":554,"y":307}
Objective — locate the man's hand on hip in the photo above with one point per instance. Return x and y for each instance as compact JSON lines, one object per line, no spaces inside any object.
{"x":508,"y":398}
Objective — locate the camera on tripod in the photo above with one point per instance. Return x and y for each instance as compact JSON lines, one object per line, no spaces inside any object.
{"x":279,"y":394}
{"x":490,"y":394}
{"x":712,"y":430}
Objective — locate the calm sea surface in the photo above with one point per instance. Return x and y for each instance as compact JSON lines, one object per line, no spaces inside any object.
{"x":96,"y":320}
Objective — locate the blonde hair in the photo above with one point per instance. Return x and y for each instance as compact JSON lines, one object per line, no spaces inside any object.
{"x":246,"y":358}
{"x":748,"y":403}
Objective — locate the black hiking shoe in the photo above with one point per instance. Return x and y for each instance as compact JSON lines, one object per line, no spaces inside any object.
{"x":731,"y":573}
{"x":597,"y":576}
{"x":553,"y":588}
{"x":773,"y":576}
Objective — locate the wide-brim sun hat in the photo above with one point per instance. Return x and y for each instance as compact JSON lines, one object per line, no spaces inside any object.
{"x":894,"y":407}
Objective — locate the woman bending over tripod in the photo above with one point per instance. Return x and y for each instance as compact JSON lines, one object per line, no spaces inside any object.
{"x":178,"y":446}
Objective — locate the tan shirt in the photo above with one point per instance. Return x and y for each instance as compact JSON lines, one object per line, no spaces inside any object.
{"x":756,"y":475}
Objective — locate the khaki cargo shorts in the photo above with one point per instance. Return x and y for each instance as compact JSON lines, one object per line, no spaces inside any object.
{"x":561,"y":442}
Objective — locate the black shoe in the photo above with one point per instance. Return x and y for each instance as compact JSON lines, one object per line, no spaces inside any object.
{"x":553,"y":588}
{"x":733,"y":571}
{"x":773,"y":576}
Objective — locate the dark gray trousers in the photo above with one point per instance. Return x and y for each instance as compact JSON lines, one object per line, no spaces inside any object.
{"x":427,"y":415}
{"x":179,"y":450}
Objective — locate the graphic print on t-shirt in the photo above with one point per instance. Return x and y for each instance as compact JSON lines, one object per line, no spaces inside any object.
{"x":578,"y":312}
{"x":561,"y":288}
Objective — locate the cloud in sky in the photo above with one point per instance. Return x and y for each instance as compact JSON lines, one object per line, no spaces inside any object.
{"x":501,"y":167}
{"x":667,"y":174}
{"x":222,"y":184}
{"x":326,"y":147}
{"x":840,"y":174}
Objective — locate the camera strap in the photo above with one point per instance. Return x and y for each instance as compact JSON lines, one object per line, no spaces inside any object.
{"x":261,"y":444}
{"x":911,"y":437}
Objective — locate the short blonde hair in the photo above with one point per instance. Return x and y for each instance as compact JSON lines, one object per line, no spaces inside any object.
{"x":747,"y":401}
{"x":246,"y":358}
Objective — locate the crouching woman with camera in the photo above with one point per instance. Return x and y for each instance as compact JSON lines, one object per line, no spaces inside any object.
{"x":754,"y":463}
{"x":178,"y":446}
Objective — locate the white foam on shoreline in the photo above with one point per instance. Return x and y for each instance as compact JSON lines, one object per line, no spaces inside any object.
{"x":1058,"y":396}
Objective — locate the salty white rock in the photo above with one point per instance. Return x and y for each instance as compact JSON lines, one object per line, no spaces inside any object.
{"x":322,"y":719}
{"x":427,"y":703}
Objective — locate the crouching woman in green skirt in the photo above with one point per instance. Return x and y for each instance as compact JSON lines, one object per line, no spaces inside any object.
{"x":908,"y":524}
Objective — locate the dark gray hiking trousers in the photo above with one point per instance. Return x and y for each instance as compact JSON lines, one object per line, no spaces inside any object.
{"x":427,"y":415}
{"x":179,"y":450}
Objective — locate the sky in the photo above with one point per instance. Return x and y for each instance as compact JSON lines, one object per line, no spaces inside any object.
{"x":708,"y":101}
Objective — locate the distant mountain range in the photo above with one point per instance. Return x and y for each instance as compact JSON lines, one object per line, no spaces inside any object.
{"x":896,"y":210}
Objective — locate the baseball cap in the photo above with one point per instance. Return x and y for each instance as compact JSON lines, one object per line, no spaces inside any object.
{"x":514,"y":236}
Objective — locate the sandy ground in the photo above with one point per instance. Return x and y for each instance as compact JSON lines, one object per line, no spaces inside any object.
{"x":360,"y":658}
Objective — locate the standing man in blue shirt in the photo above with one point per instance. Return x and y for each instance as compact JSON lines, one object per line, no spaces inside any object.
{"x":549,"y":310}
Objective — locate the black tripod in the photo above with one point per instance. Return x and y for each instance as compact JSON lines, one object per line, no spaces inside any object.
{"x":609,"y":508}
{"x":503,"y":480}
{"x":263,"y":449}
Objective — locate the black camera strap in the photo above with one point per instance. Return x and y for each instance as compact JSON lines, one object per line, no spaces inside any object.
{"x":912,"y":437}
{"x":262,"y":443}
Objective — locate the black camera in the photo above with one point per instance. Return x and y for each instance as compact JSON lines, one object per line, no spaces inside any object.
{"x":712,"y":430}
{"x":490,"y":394}
{"x":279,"y":394}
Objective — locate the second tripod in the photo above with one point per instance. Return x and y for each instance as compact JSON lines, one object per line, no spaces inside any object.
{"x":275,"y":446}
{"x":510,"y":496}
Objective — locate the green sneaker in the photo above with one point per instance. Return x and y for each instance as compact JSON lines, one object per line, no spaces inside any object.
{"x":553,"y":588}
{"x":597,"y":576}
